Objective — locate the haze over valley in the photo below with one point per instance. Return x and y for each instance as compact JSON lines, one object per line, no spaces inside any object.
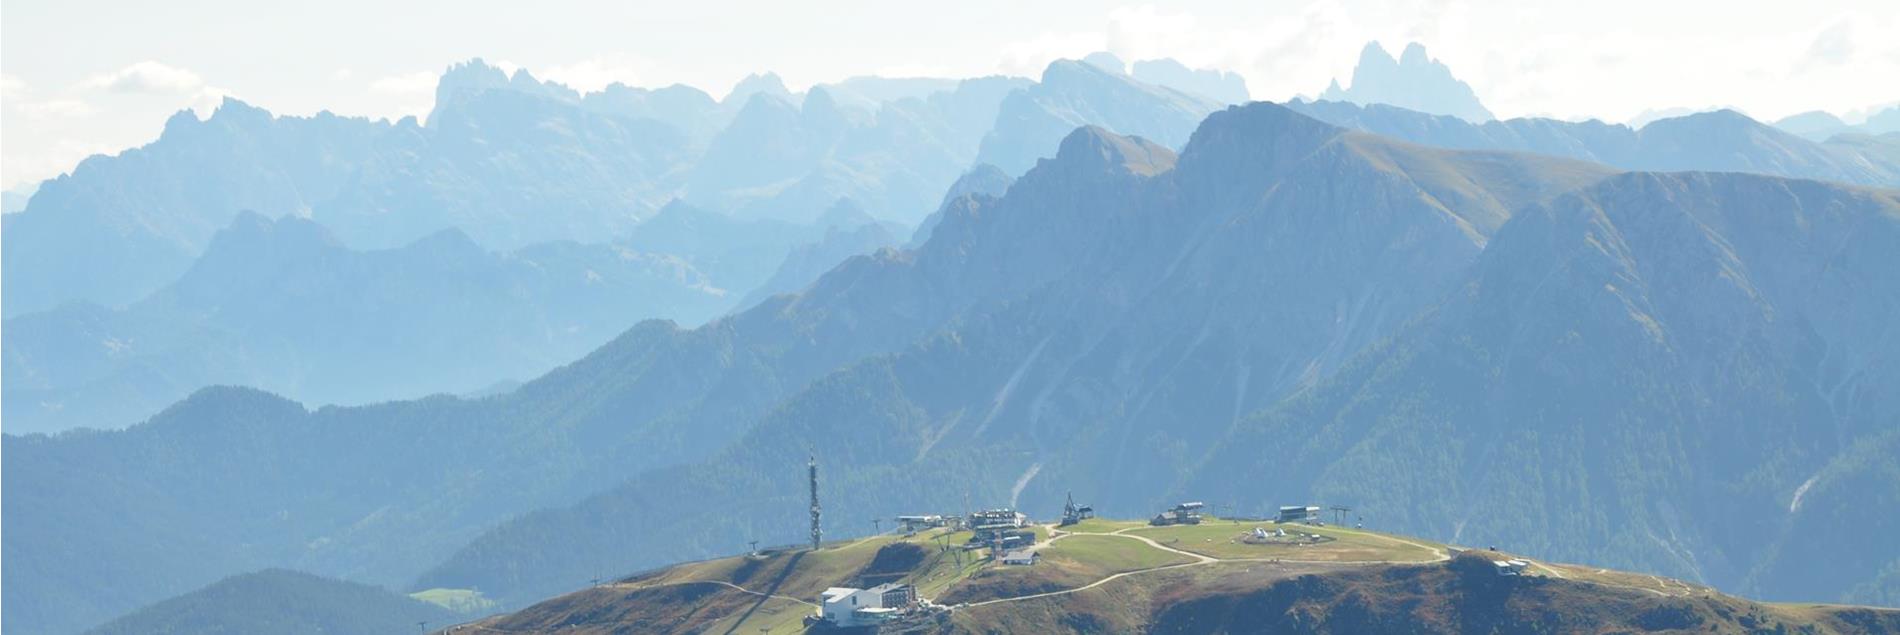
{"x":544,"y":357}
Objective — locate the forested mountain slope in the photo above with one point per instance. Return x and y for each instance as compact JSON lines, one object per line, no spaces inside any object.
{"x":1650,"y":374}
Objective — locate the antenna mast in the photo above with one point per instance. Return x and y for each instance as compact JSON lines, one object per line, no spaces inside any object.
{"x":817,"y":535}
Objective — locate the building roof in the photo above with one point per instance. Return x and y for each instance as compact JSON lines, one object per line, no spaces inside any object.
{"x":1018,"y":553}
{"x":833,"y":594}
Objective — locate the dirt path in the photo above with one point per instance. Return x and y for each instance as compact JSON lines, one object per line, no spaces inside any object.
{"x":1151,"y":542}
{"x":1202,"y":559}
{"x":718,"y":582}
{"x":1086,"y":587}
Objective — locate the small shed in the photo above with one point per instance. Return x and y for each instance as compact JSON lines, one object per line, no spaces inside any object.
{"x":1021,"y":557}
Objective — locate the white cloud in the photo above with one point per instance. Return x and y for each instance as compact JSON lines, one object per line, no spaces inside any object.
{"x":342,"y":75}
{"x":56,"y":109}
{"x":11,"y":87}
{"x":1144,"y":32}
{"x":594,"y":74}
{"x":26,"y":168}
{"x":914,"y":70}
{"x":1832,"y":44}
{"x":405,"y":84}
{"x":146,"y":77}
{"x":207,"y":99}
{"x":1027,"y":58}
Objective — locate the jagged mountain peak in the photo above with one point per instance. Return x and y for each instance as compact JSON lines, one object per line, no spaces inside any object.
{"x":768,"y":102}
{"x":1066,"y":72}
{"x":845,"y":213}
{"x":231,"y":112}
{"x":1414,"y":55}
{"x":767,"y":83}
{"x":1106,"y":61}
{"x":250,"y":226}
{"x":467,"y":80}
{"x":253,"y":240}
{"x":981,"y":179}
{"x":760,"y":112}
{"x":464,"y":79}
{"x":234,"y":109}
{"x":1375,"y":55}
{"x":1033,"y":120}
{"x":1096,"y":147}
{"x":1257,"y":134}
{"x":1220,"y":86}
{"x":819,"y":98}
{"x":180,"y":121}
{"x":1414,"y":81}
{"x":522,"y":78}
{"x":821,"y":111}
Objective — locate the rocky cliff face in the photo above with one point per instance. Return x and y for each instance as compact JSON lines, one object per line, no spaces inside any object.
{"x":1414,"y":81}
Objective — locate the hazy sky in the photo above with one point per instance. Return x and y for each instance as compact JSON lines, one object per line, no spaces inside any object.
{"x":83,"y":76}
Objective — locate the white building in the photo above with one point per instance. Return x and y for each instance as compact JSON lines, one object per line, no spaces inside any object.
{"x":913,"y":524}
{"x":846,"y":606}
{"x":1511,"y":567}
{"x":998,"y":519}
{"x":1299,"y":514}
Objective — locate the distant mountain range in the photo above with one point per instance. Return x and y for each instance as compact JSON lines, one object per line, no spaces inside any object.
{"x":1414,"y":81}
{"x":1221,"y":87}
{"x":1821,"y":126}
{"x":807,"y":262}
{"x":1666,"y":371}
{"x":282,"y":305}
{"x":1722,"y":140}
{"x":112,"y":352}
{"x":1465,"y":328}
{"x":15,"y":199}
{"x":1071,"y":94}
{"x":509,"y":160}
{"x":279,"y":601}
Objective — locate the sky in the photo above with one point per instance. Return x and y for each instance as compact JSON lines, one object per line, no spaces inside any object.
{"x":79,"y":77}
